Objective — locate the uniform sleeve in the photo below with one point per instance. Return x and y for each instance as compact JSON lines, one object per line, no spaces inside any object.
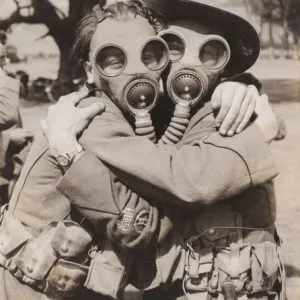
{"x":246,"y":78}
{"x":9,"y":97}
{"x":209,"y":169}
{"x":204,"y":172}
{"x":115,"y":211}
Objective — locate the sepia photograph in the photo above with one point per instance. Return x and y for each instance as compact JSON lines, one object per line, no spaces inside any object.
{"x":149,"y":149}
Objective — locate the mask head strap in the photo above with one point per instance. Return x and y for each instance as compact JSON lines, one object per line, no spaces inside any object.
{"x":99,"y":12}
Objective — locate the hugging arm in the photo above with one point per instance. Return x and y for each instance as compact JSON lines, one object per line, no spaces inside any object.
{"x":181,"y":176}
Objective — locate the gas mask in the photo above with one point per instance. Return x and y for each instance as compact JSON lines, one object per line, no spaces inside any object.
{"x":197,"y":62}
{"x":195,"y":67}
{"x":130,"y":68}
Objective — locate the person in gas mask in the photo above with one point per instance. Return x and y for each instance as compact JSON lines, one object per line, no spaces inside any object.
{"x":78,"y":194}
{"x":9,"y":116}
{"x":45,"y":242}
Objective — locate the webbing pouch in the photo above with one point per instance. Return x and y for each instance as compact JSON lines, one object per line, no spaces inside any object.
{"x":12,"y":235}
{"x":264,"y":266}
{"x":107,"y":273}
{"x":199,"y":267}
{"x":200,"y":261}
{"x":70,"y":239}
{"x":37,"y":256}
{"x":65,"y":276}
{"x":36,"y":259}
{"x":234,"y":263}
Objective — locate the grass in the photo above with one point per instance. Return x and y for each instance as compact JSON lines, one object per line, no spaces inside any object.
{"x":282,"y":90}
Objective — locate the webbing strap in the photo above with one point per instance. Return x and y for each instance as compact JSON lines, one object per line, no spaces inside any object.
{"x":37,"y":150}
{"x":234,"y":261}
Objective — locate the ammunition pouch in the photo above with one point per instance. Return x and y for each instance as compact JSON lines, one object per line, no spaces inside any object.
{"x":221,"y":263}
{"x":54,"y":263}
{"x":107,"y":273}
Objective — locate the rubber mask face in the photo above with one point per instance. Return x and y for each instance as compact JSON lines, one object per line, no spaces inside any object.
{"x":127,"y":61}
{"x":198,"y":58}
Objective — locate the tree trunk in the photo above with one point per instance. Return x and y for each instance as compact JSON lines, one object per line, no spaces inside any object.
{"x":285,"y":40}
{"x":261,"y":27}
{"x":68,"y":69}
{"x":62,"y":28}
{"x":271,"y":37}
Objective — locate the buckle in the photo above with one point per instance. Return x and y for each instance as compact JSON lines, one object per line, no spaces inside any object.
{"x":98,"y":248}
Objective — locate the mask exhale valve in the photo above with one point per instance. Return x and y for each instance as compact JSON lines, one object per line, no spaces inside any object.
{"x":187,"y":89}
{"x":141,"y":96}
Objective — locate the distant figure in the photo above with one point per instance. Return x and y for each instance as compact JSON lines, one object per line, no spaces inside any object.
{"x":12,"y":143}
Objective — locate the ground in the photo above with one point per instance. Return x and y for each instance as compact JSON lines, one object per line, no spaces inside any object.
{"x":282,"y":82}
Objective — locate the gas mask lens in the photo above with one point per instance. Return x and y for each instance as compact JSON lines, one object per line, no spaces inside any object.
{"x":175,"y":44}
{"x":214,"y":54}
{"x":110,"y":60}
{"x":155,"y":55}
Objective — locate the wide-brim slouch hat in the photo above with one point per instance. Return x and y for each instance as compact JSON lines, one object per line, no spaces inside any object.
{"x":239,"y":33}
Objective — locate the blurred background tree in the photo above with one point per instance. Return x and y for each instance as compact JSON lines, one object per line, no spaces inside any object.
{"x":274,"y":13}
{"x":61,"y":27}
{"x":61,"y":24}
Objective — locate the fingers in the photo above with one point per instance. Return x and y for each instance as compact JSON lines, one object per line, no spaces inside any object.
{"x":93,"y":110}
{"x":74,"y":98}
{"x":247,"y":117}
{"x":28,"y":135}
{"x":264,"y":97}
{"x":234,"y":110}
{"x":262,"y":104}
{"x":227,"y":96}
{"x":216,"y":98}
{"x":240,"y":114}
{"x":282,"y":131}
{"x":246,"y":111}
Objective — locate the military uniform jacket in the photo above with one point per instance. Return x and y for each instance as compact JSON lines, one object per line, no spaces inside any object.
{"x":9,"y":115}
{"x":204,"y":170}
{"x":212,"y":168}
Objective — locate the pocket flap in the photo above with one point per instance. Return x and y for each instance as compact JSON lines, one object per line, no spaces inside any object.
{"x":70,"y":239}
{"x":66,"y":276}
{"x":36,"y":259}
{"x":267,"y":256}
{"x":12,"y":235}
{"x":107,"y":274}
{"x":234,"y":262}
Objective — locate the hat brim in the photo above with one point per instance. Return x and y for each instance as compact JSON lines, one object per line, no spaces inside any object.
{"x":240,"y":35}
